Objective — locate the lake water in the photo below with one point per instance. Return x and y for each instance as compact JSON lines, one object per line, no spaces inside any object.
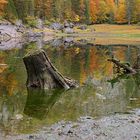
{"x":100,"y":93}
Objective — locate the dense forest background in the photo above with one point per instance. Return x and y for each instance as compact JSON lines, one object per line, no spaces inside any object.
{"x":84,"y":11}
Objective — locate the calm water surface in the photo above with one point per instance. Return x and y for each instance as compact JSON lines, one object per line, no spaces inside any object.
{"x":25,"y":111}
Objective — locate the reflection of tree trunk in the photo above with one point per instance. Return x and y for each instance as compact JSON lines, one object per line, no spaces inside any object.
{"x":42,"y":73}
{"x":39,"y":102}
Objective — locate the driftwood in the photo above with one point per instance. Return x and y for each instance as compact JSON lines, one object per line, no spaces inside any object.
{"x":127,"y":68}
{"x":42,"y":74}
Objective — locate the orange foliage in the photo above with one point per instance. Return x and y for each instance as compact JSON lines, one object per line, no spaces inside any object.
{"x":93,"y":60}
{"x":111,"y":5}
{"x":120,"y":53}
{"x":100,"y":10}
{"x":121,"y":13}
{"x":93,"y":10}
{"x":2,"y":5}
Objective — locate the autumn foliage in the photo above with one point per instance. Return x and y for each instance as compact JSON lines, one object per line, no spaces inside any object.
{"x":2,"y":5}
{"x":115,"y":11}
{"x":87,"y":11}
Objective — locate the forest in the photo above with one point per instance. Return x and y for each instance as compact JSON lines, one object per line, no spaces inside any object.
{"x":83,"y":11}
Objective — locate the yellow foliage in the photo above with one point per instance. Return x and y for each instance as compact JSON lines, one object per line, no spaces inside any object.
{"x":120,"y":16}
{"x":77,"y":18}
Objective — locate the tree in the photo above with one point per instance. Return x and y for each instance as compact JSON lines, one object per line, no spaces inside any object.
{"x":132,"y":11}
{"x":129,"y":10}
{"x":120,"y":15}
{"x":102,"y":12}
{"x":2,"y":6}
{"x":87,"y":11}
{"x":93,"y":10}
{"x":10,"y":10}
{"x":97,"y":11}
{"x":110,"y":10}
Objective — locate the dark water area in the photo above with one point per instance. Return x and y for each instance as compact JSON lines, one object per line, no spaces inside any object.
{"x":25,"y":110}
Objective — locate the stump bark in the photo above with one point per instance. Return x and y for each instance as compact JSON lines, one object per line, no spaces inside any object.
{"x":41,"y":73}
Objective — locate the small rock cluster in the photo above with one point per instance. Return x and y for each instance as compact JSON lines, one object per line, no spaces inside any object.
{"x":67,"y":27}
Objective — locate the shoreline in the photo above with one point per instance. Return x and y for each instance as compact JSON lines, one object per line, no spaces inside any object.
{"x":118,"y":126}
{"x":103,"y":34}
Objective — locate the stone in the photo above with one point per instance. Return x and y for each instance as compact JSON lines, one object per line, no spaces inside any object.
{"x":56,"y":26}
{"x":68,"y":30}
{"x":39,"y":24}
{"x":83,"y":27}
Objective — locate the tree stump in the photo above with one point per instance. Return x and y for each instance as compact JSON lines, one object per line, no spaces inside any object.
{"x":42,"y":74}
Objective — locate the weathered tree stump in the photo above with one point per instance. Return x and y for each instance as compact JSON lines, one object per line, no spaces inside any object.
{"x":42,"y":74}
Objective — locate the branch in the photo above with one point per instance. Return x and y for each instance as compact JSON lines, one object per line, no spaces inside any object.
{"x":126,"y":67}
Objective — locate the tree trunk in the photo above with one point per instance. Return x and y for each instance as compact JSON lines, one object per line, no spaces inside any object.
{"x":42,"y":74}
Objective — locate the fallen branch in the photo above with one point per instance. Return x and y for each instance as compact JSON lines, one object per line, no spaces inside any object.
{"x":126,"y":68}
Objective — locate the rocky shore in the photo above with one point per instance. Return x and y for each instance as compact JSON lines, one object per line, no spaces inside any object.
{"x":114,"y":127}
{"x":18,"y":29}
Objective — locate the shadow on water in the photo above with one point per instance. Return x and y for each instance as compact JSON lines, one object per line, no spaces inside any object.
{"x":40,"y":102}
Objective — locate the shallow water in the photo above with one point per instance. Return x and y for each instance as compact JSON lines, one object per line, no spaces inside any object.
{"x":25,"y":111}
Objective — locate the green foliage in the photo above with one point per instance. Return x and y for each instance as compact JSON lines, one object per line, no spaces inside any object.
{"x":10,"y":11}
{"x":87,"y":12}
{"x":138,"y":23}
{"x":1,"y":17}
{"x":31,"y":47}
{"x":31,"y":21}
{"x":47,"y":22}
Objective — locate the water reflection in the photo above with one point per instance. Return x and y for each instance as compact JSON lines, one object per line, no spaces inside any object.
{"x":87,"y":64}
{"x":40,"y":102}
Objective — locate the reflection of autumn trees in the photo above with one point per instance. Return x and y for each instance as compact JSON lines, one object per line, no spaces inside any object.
{"x":80,"y":63}
{"x":12,"y":90}
{"x":3,"y":66}
{"x":9,"y":83}
{"x":75,"y":62}
{"x":11,"y":72}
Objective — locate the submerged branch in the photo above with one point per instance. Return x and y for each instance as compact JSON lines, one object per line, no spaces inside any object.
{"x":125,"y":66}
